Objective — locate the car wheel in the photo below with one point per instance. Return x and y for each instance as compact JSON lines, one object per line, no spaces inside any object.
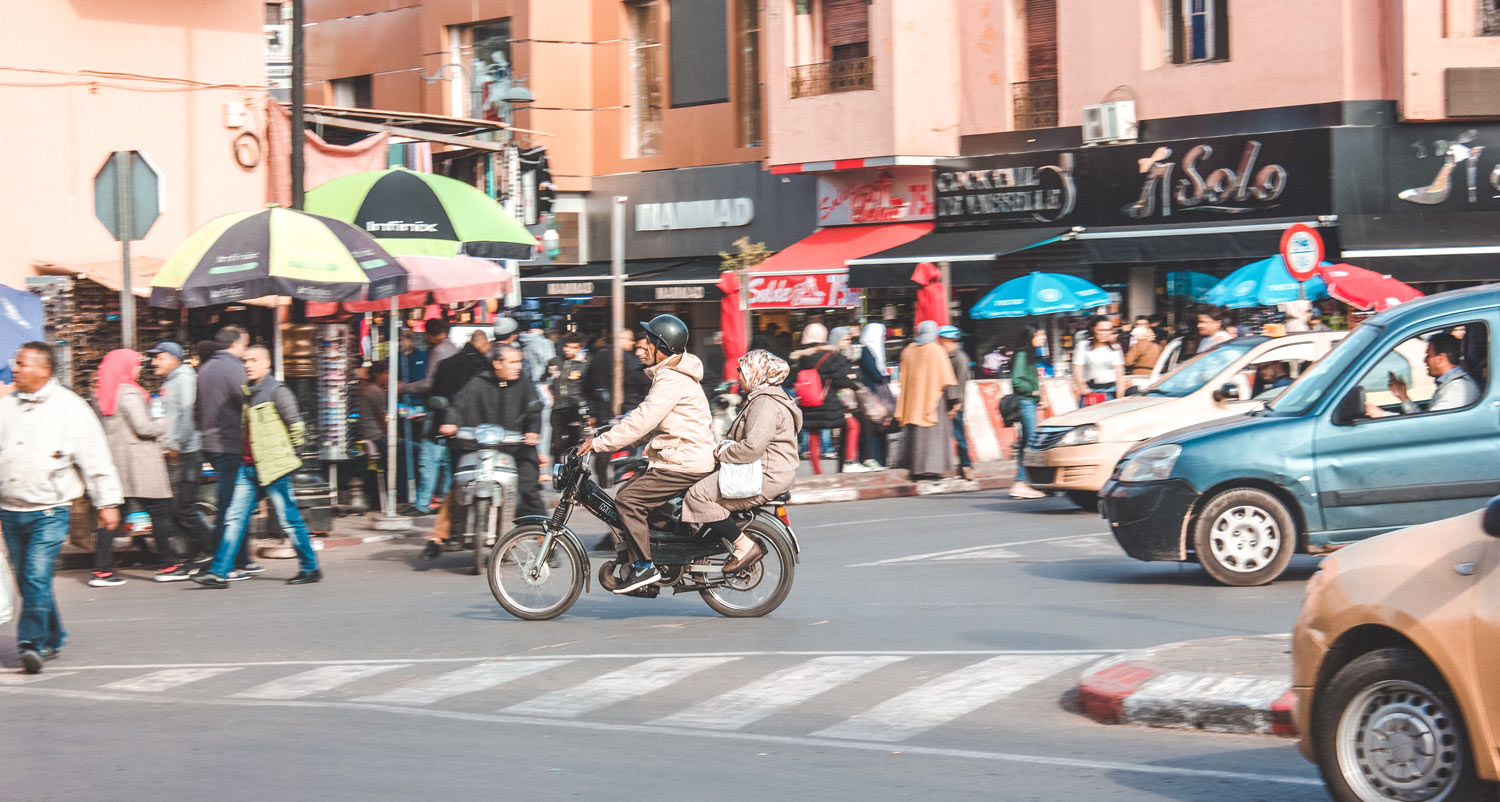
{"x":1085,"y":499}
{"x":1387,"y":729}
{"x":1244,"y":537}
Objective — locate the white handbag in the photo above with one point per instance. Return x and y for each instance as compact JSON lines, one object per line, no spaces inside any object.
{"x":7,"y":590}
{"x":740,"y":481}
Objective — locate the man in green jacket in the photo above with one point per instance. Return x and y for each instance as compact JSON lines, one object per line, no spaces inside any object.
{"x":273,"y":429}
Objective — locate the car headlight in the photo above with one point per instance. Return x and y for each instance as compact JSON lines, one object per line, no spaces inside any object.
{"x":1151,"y":465}
{"x":1084,"y":435}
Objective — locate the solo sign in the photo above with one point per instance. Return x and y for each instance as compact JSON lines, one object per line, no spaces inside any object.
{"x":1302,"y":250}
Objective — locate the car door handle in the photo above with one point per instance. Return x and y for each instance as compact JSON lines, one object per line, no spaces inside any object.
{"x":1464,"y":569}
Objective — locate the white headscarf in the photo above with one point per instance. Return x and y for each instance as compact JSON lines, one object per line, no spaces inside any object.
{"x":872,"y":338}
{"x":926,"y":332}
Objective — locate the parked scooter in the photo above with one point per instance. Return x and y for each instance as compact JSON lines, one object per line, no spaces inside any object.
{"x":540,"y":568}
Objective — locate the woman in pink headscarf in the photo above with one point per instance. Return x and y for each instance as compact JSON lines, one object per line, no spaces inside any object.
{"x":132,"y":433}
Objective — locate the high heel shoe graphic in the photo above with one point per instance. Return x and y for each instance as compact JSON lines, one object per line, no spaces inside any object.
{"x":1442,"y":185}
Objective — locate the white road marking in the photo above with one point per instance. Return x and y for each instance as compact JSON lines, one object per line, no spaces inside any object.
{"x":318,"y":680}
{"x":950,"y":696}
{"x":990,"y":553}
{"x":471,"y":679}
{"x":891,"y":520}
{"x":159,"y":681}
{"x":791,"y":686}
{"x":27,"y":679}
{"x":937,"y":555}
{"x":799,"y":742}
{"x":616,"y":686}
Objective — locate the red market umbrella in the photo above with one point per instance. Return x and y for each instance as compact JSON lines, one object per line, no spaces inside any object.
{"x":930,"y":304}
{"x":1365,"y":289}
{"x":435,"y":280}
{"x":732,"y":324}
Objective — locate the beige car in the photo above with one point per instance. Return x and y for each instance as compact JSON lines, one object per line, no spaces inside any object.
{"x":1075,"y":453}
{"x":1396,"y":664}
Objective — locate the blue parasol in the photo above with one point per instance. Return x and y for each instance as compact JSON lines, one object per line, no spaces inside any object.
{"x":20,"y":322}
{"x":1263,"y":283}
{"x":1039,"y":294}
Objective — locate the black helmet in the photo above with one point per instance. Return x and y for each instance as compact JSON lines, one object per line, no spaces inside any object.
{"x":668,"y":334}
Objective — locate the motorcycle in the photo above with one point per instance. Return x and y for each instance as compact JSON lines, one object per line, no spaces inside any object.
{"x":488,"y":486}
{"x":724,"y":403}
{"x":538,"y":570}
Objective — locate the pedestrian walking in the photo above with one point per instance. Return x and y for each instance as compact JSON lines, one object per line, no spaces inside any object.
{"x":821,"y":373}
{"x":371,"y":400}
{"x":220,"y":402}
{"x":1140,"y":360}
{"x":952,"y":340}
{"x":569,"y":406}
{"x":1099,"y":363}
{"x":272,"y":429}
{"x":842,"y":339}
{"x":875,"y":418}
{"x":598,"y":387}
{"x":52,"y":448}
{"x":922,"y":408}
{"x":134,"y":445}
{"x":1026,"y":386}
{"x":182,"y":447}
{"x":537,"y":352}
{"x":434,"y":469}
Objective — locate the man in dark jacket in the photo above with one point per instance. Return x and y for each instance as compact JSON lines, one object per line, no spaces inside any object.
{"x":599,"y":379}
{"x":221,"y":399}
{"x":457,"y":370}
{"x":568,"y":403}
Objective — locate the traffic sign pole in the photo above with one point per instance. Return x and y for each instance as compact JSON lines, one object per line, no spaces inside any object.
{"x":124,"y":203}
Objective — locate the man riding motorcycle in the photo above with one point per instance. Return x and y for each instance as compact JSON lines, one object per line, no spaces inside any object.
{"x":676,"y":418}
{"x":504,"y":398}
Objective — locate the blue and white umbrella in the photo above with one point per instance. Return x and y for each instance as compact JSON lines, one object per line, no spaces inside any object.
{"x":1039,"y":294}
{"x":20,"y":323}
{"x":1263,"y":283}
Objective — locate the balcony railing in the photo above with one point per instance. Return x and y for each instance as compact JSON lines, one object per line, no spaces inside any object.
{"x":845,"y":75}
{"x":1035,"y":103}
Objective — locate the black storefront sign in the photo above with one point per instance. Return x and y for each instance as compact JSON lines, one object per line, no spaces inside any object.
{"x":670,"y":293}
{"x":1214,"y":179}
{"x":1442,"y":169}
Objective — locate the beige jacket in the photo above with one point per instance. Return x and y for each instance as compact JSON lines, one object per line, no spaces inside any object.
{"x":674,"y":415}
{"x":132,"y":435}
{"x":765,"y":430}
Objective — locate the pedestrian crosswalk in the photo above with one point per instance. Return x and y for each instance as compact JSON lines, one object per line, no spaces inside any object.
{"x":869,"y":697}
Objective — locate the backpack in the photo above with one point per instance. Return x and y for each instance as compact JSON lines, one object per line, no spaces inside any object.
{"x":809,"y":387}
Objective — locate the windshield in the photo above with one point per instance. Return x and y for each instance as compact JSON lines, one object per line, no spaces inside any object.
{"x":1201,"y":369}
{"x":1310,"y":386}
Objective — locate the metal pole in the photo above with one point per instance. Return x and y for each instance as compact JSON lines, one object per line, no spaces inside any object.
{"x":742,"y":274}
{"x":124,"y":201}
{"x":617,"y":297}
{"x":947,"y":279}
{"x":299,"y":101}
{"x":391,"y":412}
{"x":276,"y":341}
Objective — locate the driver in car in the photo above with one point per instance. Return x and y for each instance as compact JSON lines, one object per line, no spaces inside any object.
{"x":501,"y":397}
{"x":676,"y":418}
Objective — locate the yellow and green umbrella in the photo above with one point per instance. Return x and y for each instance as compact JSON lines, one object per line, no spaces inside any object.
{"x":247,"y":255}
{"x":420,"y":214}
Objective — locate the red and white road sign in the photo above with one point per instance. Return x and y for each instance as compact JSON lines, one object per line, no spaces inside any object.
{"x":1302,"y":250}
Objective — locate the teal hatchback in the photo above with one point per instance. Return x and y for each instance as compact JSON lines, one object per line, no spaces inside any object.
{"x":1398,"y":425}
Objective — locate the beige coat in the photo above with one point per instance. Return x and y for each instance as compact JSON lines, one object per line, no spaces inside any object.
{"x":674,"y":415}
{"x":132,"y":435}
{"x":766,"y":429}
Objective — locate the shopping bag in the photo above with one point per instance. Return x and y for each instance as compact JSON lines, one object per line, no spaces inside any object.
{"x":740,"y":481}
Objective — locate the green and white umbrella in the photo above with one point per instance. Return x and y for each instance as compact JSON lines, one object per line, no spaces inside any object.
{"x":247,"y":255}
{"x":420,"y":214}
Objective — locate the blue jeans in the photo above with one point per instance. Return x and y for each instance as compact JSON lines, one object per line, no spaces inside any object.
{"x":434,"y":472}
{"x":962,"y":440}
{"x":226,"y":466}
{"x":34,"y":540}
{"x":1028,"y":425}
{"x":247,"y":495}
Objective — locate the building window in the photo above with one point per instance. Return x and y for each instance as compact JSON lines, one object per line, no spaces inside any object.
{"x":646,"y":69}
{"x":1034,"y":100}
{"x":747,"y":50}
{"x":274,"y":14}
{"x":1489,"y":17}
{"x":353,"y":92}
{"x":845,"y":48}
{"x":1198,"y":30}
{"x":483,"y":51}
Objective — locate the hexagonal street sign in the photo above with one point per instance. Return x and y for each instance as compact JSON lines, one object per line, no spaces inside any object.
{"x":137,"y":198}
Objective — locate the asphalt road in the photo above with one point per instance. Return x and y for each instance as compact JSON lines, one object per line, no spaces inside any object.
{"x":925,"y":652}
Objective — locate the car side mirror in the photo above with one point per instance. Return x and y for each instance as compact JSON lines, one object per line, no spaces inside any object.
{"x":1229,"y":391}
{"x":1351,"y":407}
{"x":1492,"y":517}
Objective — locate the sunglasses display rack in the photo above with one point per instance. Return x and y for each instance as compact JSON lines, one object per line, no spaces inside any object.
{"x":81,"y":319}
{"x":335,"y":346}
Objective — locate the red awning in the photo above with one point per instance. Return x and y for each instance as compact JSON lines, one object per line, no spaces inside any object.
{"x":825,"y":250}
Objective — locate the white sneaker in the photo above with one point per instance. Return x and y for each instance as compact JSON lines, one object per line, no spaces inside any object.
{"x":854,"y":467}
{"x":1025,"y":491}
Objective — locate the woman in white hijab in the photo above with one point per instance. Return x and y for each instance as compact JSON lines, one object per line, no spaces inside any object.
{"x":874,"y":424}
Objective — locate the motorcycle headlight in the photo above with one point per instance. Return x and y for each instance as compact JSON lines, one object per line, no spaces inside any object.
{"x":1152,"y":465}
{"x":1084,"y":435}
{"x":488,"y":435}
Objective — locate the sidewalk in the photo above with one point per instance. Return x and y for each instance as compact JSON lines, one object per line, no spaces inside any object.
{"x":1240,"y":685}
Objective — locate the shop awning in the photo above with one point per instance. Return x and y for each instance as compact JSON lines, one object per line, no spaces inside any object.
{"x":1424,"y":247}
{"x":142,"y":270}
{"x":825,"y":251}
{"x":1249,"y":240}
{"x":687,"y":281}
{"x":971,"y":254}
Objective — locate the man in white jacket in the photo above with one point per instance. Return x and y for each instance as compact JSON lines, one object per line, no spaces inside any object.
{"x":675,"y":416}
{"x":51,"y":447}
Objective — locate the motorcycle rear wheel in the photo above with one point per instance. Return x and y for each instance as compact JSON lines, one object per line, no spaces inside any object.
{"x":532,"y":587}
{"x":756,"y":591}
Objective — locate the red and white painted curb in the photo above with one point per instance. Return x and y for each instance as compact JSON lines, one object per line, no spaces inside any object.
{"x":1129,"y":689}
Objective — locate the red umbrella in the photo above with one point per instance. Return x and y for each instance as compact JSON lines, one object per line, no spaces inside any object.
{"x":930,"y":304}
{"x":1366,"y":289}
{"x":732,"y":324}
{"x":435,"y":279}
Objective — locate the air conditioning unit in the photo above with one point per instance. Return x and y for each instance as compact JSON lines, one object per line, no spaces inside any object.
{"x":1109,"y":122}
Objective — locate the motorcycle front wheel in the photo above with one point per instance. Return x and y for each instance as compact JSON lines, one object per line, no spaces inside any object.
{"x":761,"y":588}
{"x":481,"y":518}
{"x":529,"y":584}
